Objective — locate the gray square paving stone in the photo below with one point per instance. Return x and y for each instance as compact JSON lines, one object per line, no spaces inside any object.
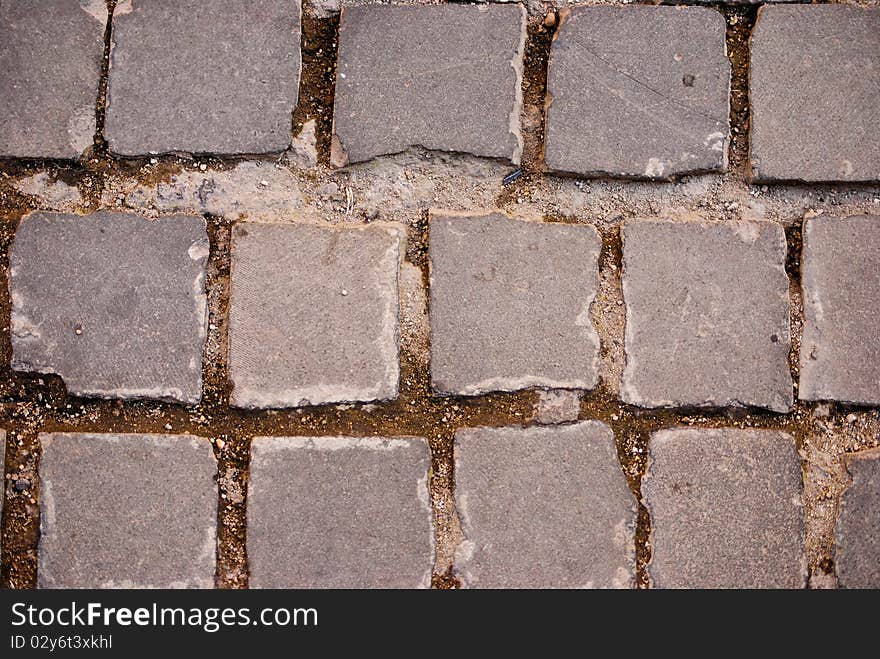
{"x":444,"y":77}
{"x":313,"y":314}
{"x":203,"y":76}
{"x":127,"y":511}
{"x":707,"y":315}
{"x":726,"y":509}
{"x":339,"y":512}
{"x":50,"y":66}
{"x":840,"y":350}
{"x":120,"y":309}
{"x":814,"y":76}
{"x":510,"y":304}
{"x":857,"y":535}
{"x":543,"y":508}
{"x":638,"y":92}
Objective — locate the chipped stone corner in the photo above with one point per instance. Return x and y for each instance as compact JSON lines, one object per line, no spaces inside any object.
{"x":97,"y":9}
{"x":338,"y":155}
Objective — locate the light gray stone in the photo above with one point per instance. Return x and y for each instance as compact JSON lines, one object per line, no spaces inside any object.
{"x":203,"y":76}
{"x":840,"y":350}
{"x":50,"y":66}
{"x":638,"y":92}
{"x":313,"y":315}
{"x":119,"y":310}
{"x":857,"y":536}
{"x":543,"y":508}
{"x":510,"y":304}
{"x":815,"y":72}
{"x":707,"y":315}
{"x":127,"y":511}
{"x":557,"y":406}
{"x":444,"y":77}
{"x":339,"y":512}
{"x":726,"y":509}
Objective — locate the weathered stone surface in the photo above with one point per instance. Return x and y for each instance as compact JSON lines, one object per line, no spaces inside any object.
{"x":50,"y":65}
{"x":726,"y":509}
{"x":127,"y":511}
{"x":707,"y":315}
{"x":557,"y":406}
{"x":203,"y":76}
{"x":815,"y":72}
{"x":543,"y":508}
{"x":857,"y":537}
{"x":339,"y":512}
{"x":639,"y":92}
{"x":444,"y":77}
{"x":314,"y":314}
{"x":840,"y":350}
{"x":510,"y":304}
{"x":119,"y":310}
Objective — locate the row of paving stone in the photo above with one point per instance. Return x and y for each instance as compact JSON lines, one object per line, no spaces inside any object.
{"x":634,"y":91}
{"x":120,"y":309}
{"x":540,"y":507}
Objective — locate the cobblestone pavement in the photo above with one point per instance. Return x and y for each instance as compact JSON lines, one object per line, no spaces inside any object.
{"x":449,"y":295}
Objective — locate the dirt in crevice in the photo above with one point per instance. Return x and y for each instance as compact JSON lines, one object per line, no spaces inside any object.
{"x":318,"y":78}
{"x":740,"y":23}
{"x":99,"y":151}
{"x":794,"y":247}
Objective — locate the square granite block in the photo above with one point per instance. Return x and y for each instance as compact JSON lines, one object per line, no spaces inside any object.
{"x":840,"y":350}
{"x":203,"y":76}
{"x":726,"y":509}
{"x":707,"y":315}
{"x":638,"y":92}
{"x":339,"y":512}
{"x":510,"y":304}
{"x":543,"y":508}
{"x":119,"y":310}
{"x":127,"y":511}
{"x":814,"y":76}
{"x":50,"y":66}
{"x":857,"y":536}
{"x":313,"y":315}
{"x":444,"y":77}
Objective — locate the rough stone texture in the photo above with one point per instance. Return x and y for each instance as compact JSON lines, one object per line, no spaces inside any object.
{"x":339,"y":512}
{"x":510,"y":304}
{"x":50,"y":65}
{"x":707,"y":319}
{"x":638,"y":92}
{"x":314,"y":314}
{"x":543,"y":508}
{"x":203,"y":76}
{"x":840,"y":350}
{"x":857,"y":536}
{"x":815,"y":72}
{"x":127,"y":511}
{"x":443,"y":77}
{"x":557,"y":406}
{"x":726,"y":509}
{"x":119,"y":310}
